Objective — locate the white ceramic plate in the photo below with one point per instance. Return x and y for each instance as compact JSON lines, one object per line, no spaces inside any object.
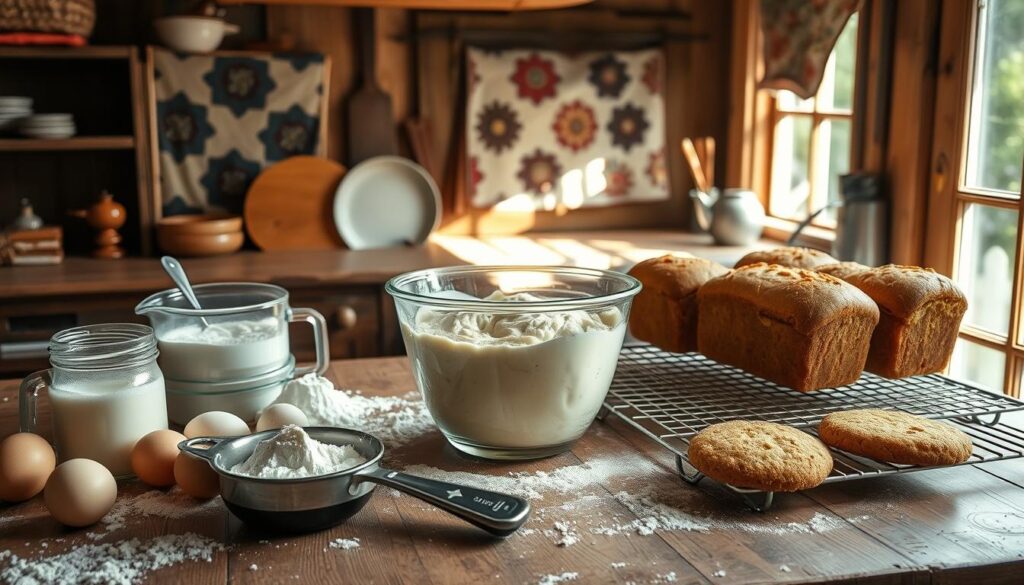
{"x":386,"y":201}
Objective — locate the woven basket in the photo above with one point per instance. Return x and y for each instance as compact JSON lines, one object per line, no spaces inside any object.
{"x":75,"y":17}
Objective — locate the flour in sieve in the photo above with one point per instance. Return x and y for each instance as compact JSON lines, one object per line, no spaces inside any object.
{"x":394,"y":420}
{"x":292,"y":453}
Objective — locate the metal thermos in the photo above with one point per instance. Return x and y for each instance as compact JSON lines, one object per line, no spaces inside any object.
{"x":862,"y":221}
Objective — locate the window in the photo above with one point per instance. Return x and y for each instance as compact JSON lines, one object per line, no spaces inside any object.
{"x":983,"y":190}
{"x":811,"y":139}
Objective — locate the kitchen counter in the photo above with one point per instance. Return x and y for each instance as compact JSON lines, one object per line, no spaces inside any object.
{"x":601,"y":249}
{"x":346,"y":286}
{"x":962,"y":525}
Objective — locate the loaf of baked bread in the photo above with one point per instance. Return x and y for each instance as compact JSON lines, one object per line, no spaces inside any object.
{"x":665,"y":312}
{"x":795,"y":327}
{"x":789,"y":256}
{"x":842,"y":270}
{"x":920,"y":317}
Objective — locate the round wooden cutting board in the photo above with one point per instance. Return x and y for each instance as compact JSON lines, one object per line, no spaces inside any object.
{"x":290,"y":205}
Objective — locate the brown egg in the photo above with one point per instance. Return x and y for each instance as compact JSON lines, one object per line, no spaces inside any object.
{"x":26,"y":460}
{"x":153,"y":457}
{"x":195,"y":477}
{"x":80,"y":492}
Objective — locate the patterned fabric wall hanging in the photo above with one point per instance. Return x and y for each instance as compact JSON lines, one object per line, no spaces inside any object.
{"x":221,"y":118}
{"x":547,"y":129}
{"x":798,"y":38}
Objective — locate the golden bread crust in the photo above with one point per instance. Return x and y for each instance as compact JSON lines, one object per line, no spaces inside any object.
{"x":902,"y":290}
{"x":794,"y":327}
{"x":895,"y":437}
{"x":804,"y":299}
{"x":842,"y":270}
{"x":665,"y":312}
{"x":921,"y":312}
{"x":760,"y":455}
{"x":794,"y":257}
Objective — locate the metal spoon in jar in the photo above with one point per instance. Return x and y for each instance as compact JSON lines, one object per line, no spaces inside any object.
{"x":177,"y":274}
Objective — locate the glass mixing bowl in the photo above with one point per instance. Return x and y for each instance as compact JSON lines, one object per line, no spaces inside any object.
{"x":513,"y":362}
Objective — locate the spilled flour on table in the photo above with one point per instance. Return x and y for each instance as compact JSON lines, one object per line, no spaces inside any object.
{"x":392,"y":419}
{"x":561,"y":578}
{"x":533,"y":486}
{"x":564,"y":534}
{"x":344,"y":543}
{"x":172,"y":504}
{"x":666,"y":507}
{"x":119,"y":563}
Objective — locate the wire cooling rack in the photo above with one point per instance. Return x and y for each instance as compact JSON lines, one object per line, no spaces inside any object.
{"x":671,"y":397}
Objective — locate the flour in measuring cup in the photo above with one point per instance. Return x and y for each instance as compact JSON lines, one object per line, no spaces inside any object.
{"x":292,"y":453}
{"x":233,"y":350}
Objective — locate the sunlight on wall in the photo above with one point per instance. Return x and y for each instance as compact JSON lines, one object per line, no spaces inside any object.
{"x":524,"y":251}
{"x":517,"y":202}
{"x":579,"y":253}
{"x":596,"y":182}
{"x":574,"y":187}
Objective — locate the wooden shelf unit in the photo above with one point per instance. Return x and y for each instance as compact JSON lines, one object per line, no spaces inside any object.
{"x":102,"y":87}
{"x":86,"y":52}
{"x":73,"y":143}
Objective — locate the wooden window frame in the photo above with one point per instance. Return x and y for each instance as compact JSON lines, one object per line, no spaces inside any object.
{"x":751,"y":133}
{"x":817,"y":115}
{"x":949,"y":195}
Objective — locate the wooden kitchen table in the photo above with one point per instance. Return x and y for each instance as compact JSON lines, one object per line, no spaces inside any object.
{"x":961,"y":525}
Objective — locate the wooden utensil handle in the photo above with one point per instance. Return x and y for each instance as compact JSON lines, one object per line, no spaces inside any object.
{"x":366,"y":25}
{"x":690,"y":153}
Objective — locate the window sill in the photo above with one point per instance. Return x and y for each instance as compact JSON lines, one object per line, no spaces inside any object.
{"x":777,"y":228}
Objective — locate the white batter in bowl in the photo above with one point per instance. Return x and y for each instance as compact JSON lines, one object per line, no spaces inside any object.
{"x":513,"y":363}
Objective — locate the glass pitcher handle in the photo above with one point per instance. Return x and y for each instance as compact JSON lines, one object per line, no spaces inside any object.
{"x":323,"y":352}
{"x":30,"y":388}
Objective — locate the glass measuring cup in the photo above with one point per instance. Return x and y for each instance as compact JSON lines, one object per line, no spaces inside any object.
{"x":247,"y":335}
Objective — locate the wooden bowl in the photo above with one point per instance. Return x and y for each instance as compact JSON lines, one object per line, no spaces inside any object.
{"x":208,"y":234}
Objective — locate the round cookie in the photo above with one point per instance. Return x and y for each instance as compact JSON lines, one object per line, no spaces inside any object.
{"x":760,"y":455}
{"x":896,"y":437}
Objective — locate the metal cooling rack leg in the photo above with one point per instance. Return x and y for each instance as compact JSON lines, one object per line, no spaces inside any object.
{"x":687,"y":471}
{"x":601,"y":414}
{"x":758,"y":501}
{"x":995,"y":420}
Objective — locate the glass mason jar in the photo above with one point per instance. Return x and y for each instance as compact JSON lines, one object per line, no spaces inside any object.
{"x":105,"y":389}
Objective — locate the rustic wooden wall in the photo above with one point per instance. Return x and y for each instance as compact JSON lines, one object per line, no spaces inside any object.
{"x":423,"y":73}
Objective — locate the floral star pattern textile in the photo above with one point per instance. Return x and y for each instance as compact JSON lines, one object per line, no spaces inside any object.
{"x":222,"y":119}
{"x":547,"y":129}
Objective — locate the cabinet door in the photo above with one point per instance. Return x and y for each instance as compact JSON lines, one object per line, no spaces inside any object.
{"x":27,"y":325}
{"x":353,"y":321}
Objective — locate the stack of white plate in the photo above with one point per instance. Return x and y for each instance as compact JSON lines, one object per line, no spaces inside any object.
{"x":13,"y":108}
{"x":48,"y":126}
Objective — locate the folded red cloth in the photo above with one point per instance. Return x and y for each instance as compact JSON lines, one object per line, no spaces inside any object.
{"x":35,"y":38}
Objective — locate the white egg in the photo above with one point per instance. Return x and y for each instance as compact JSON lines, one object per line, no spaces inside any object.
{"x":216,"y":423}
{"x":276,"y":416}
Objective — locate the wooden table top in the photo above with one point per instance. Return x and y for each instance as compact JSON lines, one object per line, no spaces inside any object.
{"x":595,"y":249}
{"x":962,"y":525}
